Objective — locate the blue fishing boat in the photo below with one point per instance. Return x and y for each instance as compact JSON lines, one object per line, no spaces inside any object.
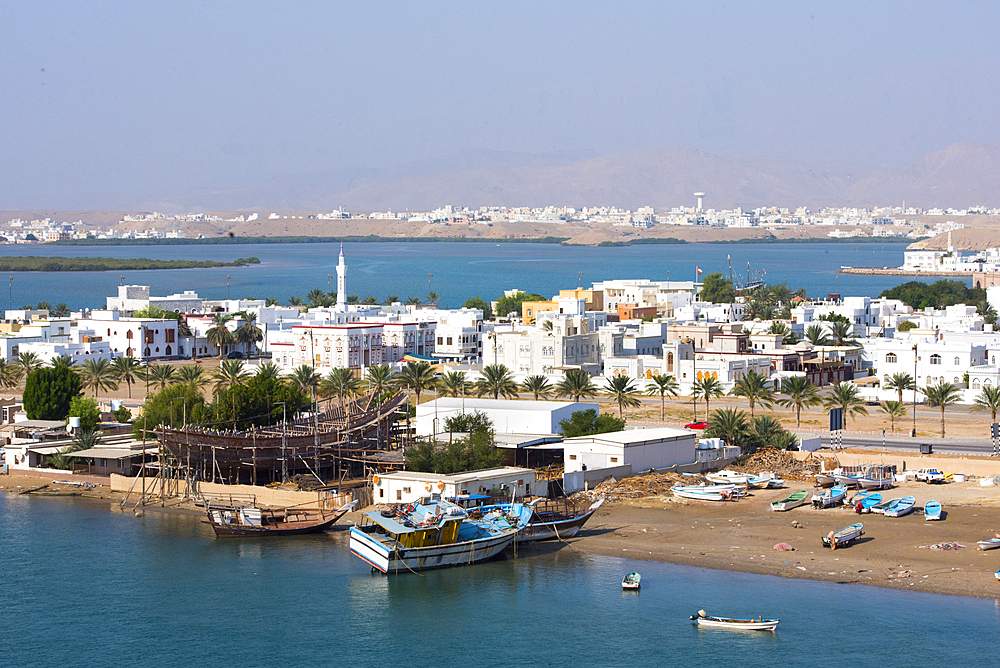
{"x":869,"y":502}
{"x":434,"y":533}
{"x":831,"y":497}
{"x":631,"y":581}
{"x":549,"y":519}
{"x":900,"y":507}
{"x":932,"y":510}
{"x":844,"y":537}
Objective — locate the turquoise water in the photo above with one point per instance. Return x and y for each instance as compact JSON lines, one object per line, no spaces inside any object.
{"x":84,"y":585}
{"x":459,"y":270}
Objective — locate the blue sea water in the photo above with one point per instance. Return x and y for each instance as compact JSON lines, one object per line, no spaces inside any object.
{"x":456,"y":271}
{"x":82,"y":585}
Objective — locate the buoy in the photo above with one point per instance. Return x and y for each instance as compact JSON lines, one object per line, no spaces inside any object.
{"x":375,"y":480}
{"x":440,"y":484}
{"x":427,"y":487}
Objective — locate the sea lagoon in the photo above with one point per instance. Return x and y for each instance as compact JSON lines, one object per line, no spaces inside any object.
{"x":455,"y":271}
{"x":84,"y":584}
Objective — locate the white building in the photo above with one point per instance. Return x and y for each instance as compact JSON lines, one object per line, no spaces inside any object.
{"x":411,"y":486}
{"x":142,"y":338}
{"x":133,"y":298}
{"x":508,"y":416}
{"x":642,"y":449}
{"x":530,"y":351}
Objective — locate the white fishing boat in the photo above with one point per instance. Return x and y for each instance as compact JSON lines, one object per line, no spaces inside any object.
{"x":932,"y":510}
{"x":832,"y":497}
{"x":989,"y":544}
{"x":875,"y":483}
{"x":900,"y":507}
{"x":726,"y":477}
{"x":844,"y":537}
{"x":825,"y":479}
{"x":432,"y":534}
{"x":704,"y":494}
{"x":631,"y":581}
{"x":758,"y":624}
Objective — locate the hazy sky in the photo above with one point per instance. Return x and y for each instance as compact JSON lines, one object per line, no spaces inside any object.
{"x":146,"y":99}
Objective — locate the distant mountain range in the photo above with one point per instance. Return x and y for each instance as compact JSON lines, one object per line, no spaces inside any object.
{"x":958,"y":176}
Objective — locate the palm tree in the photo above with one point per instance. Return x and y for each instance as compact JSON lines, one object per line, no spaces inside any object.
{"x":801,"y":394}
{"x":126,"y":370}
{"x":184,"y":331}
{"x":219,"y":335}
{"x":268,"y":370}
{"x":985,"y":309}
{"x":453,"y":384}
{"x":413,"y":301}
{"x":370,"y":300}
{"x":988,"y":400}
{"x":729,"y":424}
{"x":304,"y":378}
{"x":61,"y":310}
{"x":229,"y":374}
{"x":341,"y":382}
{"x":98,"y":374}
{"x":62,"y":360}
{"x":416,"y":376}
{"x":192,"y":375}
{"x":778,"y":327}
{"x":379,"y":378}
{"x":390,"y":299}
{"x":10,"y":373}
{"x":899,"y":382}
{"x":577,"y":384}
{"x":314,"y":297}
{"x":28,"y":362}
{"x":842,"y":334}
{"x":943,"y":395}
{"x":547,"y":325}
{"x":44,"y":306}
{"x":894,"y":409}
{"x":663,"y":384}
{"x":159,"y":374}
{"x":538,"y":386}
{"x":623,"y":391}
{"x":432,"y":298}
{"x":272,"y":301}
{"x":496,"y":379}
{"x":249,"y":333}
{"x":816,"y":335}
{"x":846,"y":396}
{"x":754,"y":388}
{"x":295,"y":301}
{"x":707,"y":387}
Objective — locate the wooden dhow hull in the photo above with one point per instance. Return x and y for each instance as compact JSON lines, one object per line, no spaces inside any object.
{"x":397,"y":560}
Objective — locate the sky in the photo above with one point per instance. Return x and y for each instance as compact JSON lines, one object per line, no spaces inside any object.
{"x":125,"y":101}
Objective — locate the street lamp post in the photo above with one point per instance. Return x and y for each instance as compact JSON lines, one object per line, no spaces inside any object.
{"x":913,"y":434}
{"x":228,"y":278}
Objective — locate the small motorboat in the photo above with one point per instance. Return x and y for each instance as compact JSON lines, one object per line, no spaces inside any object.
{"x":879,"y":508}
{"x":825,"y":479}
{"x":758,"y":482}
{"x":868,"y":503}
{"x":832,"y":497}
{"x":875,"y":483}
{"x":989,"y":544}
{"x":631,"y":581}
{"x":728,"y":478}
{"x":847,"y":479}
{"x":932,"y":510}
{"x":900,"y":507}
{"x":758,"y":624}
{"x":793,"y":500}
{"x":859,"y":497}
{"x":843,"y":537}
{"x":709,"y":493}
{"x":996,"y":574}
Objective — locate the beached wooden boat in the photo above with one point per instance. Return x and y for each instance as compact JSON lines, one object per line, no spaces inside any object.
{"x":932,"y":510}
{"x":825,"y":480}
{"x":793,"y":500}
{"x":832,"y":497}
{"x":869,"y":502}
{"x":851,"y":480}
{"x":549,"y":519}
{"x":900,"y":507}
{"x":859,"y":497}
{"x":703,"y":494}
{"x":879,"y":508}
{"x":232,"y":520}
{"x":727,"y":477}
{"x":989,"y":544}
{"x":875,"y":483}
{"x":844,"y":536}
{"x":996,"y":574}
{"x":631,"y":580}
{"x":758,"y":624}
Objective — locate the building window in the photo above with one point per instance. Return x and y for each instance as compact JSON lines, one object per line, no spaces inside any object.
{"x":935,"y":359}
{"x":399,"y":495}
{"x":614,"y":460}
{"x":381,"y":493}
{"x":170,"y":335}
{"x":572,"y":456}
{"x":958,"y":362}
{"x":975,"y":384}
{"x":890,"y":358}
{"x":406,"y":489}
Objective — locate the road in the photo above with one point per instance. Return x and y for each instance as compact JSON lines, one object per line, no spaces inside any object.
{"x":957,"y":446}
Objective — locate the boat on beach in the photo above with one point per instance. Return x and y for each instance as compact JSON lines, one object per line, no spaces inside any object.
{"x":728,"y":477}
{"x":900,"y":507}
{"x":832,"y":497}
{"x":234,"y":520}
{"x":932,"y":510}
{"x":825,"y":479}
{"x":793,"y":500}
{"x":844,"y":537}
{"x":868,"y":503}
{"x":988,"y":544}
{"x":875,"y":483}
{"x":758,"y":624}
{"x":851,"y":480}
{"x":434,"y":533}
{"x":706,"y":493}
{"x":550,"y":519}
{"x":631,"y":581}
{"x":879,"y":508}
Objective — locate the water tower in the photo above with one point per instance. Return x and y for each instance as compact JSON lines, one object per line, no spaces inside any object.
{"x":699,"y":196}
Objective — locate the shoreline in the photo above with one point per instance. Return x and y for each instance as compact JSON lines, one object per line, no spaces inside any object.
{"x":740,"y":537}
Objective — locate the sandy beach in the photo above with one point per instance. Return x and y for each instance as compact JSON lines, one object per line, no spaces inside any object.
{"x":741,"y":535}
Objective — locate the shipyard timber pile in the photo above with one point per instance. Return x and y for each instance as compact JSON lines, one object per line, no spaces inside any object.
{"x":640,"y":486}
{"x":337,"y":441}
{"x":778,"y":462}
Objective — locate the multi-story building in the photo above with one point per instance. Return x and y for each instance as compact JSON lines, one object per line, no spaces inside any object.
{"x":532,"y":351}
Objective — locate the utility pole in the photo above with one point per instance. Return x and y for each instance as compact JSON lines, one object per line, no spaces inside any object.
{"x":284,"y":460}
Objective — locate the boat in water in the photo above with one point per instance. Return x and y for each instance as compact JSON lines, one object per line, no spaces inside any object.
{"x":631,"y":581}
{"x":932,"y":510}
{"x":758,"y":624}
{"x":844,"y":537}
{"x":549,"y":519}
{"x":832,"y":497}
{"x":434,"y":533}
{"x":793,"y":500}
{"x":235,"y":520}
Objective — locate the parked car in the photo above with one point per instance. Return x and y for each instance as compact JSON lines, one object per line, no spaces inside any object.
{"x":235,"y":355}
{"x":696,"y":425}
{"x":930,"y":475}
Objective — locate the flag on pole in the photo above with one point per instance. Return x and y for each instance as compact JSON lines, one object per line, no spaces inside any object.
{"x":765,"y":271}
{"x":697,"y":270}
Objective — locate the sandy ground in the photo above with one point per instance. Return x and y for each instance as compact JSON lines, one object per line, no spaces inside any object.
{"x":739,"y":536}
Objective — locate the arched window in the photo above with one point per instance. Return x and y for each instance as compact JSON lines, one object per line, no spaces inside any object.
{"x":975,"y":384}
{"x":958,"y":362}
{"x":956,"y":380}
{"x":935,"y":359}
{"x":890,"y":358}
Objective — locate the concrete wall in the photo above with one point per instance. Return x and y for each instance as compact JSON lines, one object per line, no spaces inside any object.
{"x":579,"y":480}
{"x":975,"y":466}
{"x":263,"y":496}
